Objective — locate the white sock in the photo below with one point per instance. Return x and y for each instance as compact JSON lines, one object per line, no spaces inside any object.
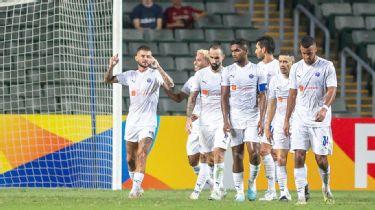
{"x":202,"y":178}
{"x":137,"y":180}
{"x":254,"y":171}
{"x":300,"y":180}
{"x":218,"y":176}
{"x":238,"y":181}
{"x":282,"y":178}
{"x":196,"y":169}
{"x":325,"y":177}
{"x":131,"y":175}
{"x":275,"y":165}
{"x":210,"y":178}
{"x":269,"y":167}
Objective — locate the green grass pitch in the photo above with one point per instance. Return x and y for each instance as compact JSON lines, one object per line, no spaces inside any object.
{"x":18,"y":199}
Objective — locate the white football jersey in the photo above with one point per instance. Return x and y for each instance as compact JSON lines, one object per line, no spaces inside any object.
{"x":187,"y":89}
{"x":279,"y":90}
{"x":207,"y":83}
{"x":144,"y":95}
{"x":243,"y":85}
{"x":311,"y":83}
{"x":272,"y":68}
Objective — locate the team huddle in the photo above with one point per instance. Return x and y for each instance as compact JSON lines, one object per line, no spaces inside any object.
{"x":272,"y":107}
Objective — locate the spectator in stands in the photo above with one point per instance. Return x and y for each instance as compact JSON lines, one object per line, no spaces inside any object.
{"x":147,"y":15}
{"x":180,"y":16}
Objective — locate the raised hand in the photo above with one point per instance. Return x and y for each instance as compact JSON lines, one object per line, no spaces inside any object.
{"x":154,"y":63}
{"x":114,"y":61}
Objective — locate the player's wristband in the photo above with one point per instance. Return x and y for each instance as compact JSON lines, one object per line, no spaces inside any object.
{"x":325,"y":107}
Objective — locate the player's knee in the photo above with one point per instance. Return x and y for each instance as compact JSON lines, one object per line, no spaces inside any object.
{"x":281,"y":160}
{"x":322,"y":162}
{"x":255,"y":157}
{"x":193,"y":160}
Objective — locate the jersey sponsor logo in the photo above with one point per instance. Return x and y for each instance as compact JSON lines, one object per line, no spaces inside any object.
{"x":234,"y":87}
{"x":133,"y":93}
{"x":317,"y":74}
{"x":251,"y":76}
{"x":205,"y":92}
{"x":149,"y":80}
{"x":301,"y":88}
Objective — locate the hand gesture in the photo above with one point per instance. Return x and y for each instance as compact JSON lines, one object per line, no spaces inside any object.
{"x":154,"y":63}
{"x":268,"y":134}
{"x":321,"y":115}
{"x":114,"y":61}
{"x":188,"y":125}
{"x":286,"y":128}
{"x":227,"y":127}
{"x":194,"y":117}
{"x":260,"y":128}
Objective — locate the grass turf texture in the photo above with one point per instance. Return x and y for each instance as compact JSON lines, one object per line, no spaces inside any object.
{"x":169,"y":199}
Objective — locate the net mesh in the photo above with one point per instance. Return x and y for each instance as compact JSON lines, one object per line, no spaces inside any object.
{"x":56,"y":111}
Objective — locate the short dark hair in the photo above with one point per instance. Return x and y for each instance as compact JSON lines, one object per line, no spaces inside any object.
{"x":243,"y":43}
{"x":216,"y":46}
{"x":266,"y":42}
{"x":307,"y":41}
{"x":144,"y":48}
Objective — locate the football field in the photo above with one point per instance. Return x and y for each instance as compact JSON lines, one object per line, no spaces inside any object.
{"x":156,"y":199}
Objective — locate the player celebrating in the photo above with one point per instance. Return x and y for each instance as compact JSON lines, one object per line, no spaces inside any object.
{"x":192,"y":144}
{"x":265,"y":47}
{"x":313,"y":87}
{"x":144,"y":86}
{"x":277,"y":98}
{"x":207,"y":83}
{"x":242,"y":83}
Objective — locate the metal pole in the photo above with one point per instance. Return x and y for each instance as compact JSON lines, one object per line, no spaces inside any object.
{"x":343,"y":73}
{"x":266,"y":15}
{"x":281,"y":23}
{"x":326,"y":45}
{"x":251,"y":9}
{"x":295,"y":33}
{"x":359,"y":88}
{"x":312,"y":28}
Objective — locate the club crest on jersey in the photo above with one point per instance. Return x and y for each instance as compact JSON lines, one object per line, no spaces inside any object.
{"x":251,"y":76}
{"x":301,"y":88}
{"x":149,"y":80}
{"x":204,"y":92}
{"x":317,"y":74}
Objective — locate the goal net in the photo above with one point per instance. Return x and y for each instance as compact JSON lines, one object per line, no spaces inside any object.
{"x":56,"y":111}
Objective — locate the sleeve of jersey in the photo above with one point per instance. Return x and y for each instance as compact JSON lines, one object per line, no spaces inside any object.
{"x":195,"y":83}
{"x":272,"y":89}
{"x":262,"y":81}
{"x":225,"y":77}
{"x":186,"y":88}
{"x":331,"y":77}
{"x":292,"y":78}
{"x":123,"y":78}
{"x":159,"y":78}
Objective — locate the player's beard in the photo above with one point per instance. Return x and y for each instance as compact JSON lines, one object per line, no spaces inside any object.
{"x":143,"y":65}
{"x":215,"y":66}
